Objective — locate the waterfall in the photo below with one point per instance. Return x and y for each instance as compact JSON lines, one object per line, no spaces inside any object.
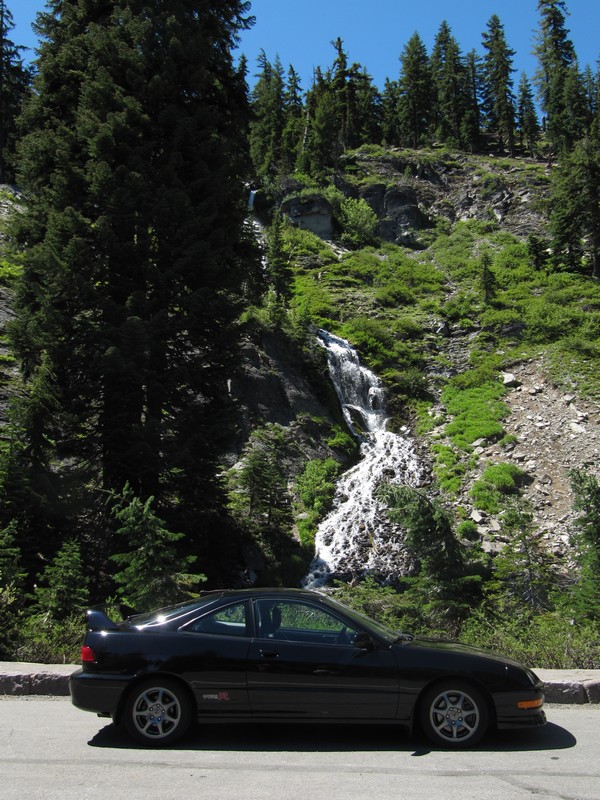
{"x":357,"y":537}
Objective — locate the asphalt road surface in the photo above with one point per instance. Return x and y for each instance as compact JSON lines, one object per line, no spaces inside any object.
{"x":51,"y":751}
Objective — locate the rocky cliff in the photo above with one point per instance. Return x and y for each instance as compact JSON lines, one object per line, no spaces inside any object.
{"x":409,"y":192}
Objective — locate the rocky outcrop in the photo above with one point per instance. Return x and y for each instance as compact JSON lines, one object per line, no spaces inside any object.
{"x":313,"y":213}
{"x":276,"y":382}
{"x":398,"y":210}
{"x":409,"y":190}
{"x":455,"y":186}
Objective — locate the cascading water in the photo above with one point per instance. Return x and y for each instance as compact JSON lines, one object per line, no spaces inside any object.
{"x":357,"y":537}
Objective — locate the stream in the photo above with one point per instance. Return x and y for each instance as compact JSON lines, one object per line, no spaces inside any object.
{"x":356,"y":538}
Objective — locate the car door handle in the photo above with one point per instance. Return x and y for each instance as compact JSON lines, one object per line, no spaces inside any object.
{"x":269,"y":653}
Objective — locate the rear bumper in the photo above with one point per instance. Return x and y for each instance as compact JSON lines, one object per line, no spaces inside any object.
{"x":97,"y":693}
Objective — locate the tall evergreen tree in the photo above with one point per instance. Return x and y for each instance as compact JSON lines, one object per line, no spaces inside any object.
{"x":575,"y":208}
{"x":556,"y":54}
{"x":415,"y":93}
{"x":595,"y":126}
{"x":134,"y":161}
{"x":488,"y":281}
{"x":450,"y":85}
{"x":278,"y":261}
{"x":499,"y":101}
{"x":471,"y":122}
{"x":365,"y":104}
{"x":268,"y":118}
{"x":321,"y":142}
{"x":577,"y":119}
{"x":390,"y":102}
{"x":294,"y":122}
{"x":15,"y":79}
{"x":527,"y":121}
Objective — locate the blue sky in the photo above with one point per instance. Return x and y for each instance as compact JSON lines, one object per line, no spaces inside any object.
{"x":374,"y":33}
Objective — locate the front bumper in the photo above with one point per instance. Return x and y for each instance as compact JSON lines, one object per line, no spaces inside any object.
{"x":510,"y":715}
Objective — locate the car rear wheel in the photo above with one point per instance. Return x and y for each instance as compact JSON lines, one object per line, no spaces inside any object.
{"x":157,"y":712}
{"x":454,"y":714}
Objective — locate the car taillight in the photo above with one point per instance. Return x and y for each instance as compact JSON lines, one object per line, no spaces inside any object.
{"x":87,"y":654}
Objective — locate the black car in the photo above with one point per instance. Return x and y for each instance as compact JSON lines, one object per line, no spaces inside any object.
{"x":275,"y":654}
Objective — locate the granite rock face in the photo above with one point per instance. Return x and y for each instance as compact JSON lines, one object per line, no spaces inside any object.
{"x":313,"y":214}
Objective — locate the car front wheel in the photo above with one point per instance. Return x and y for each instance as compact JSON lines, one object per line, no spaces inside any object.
{"x":454,"y":714}
{"x":157,"y":712}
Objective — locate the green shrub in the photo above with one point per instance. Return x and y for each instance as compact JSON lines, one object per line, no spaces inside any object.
{"x":393,"y":295}
{"x":9,"y":271}
{"x":316,"y":488}
{"x":342,"y":440}
{"x":313,"y":301}
{"x":449,"y":468}
{"x":497,"y":480}
{"x":372,"y":337}
{"x":546,"y":641}
{"x":360,"y":223}
{"x":467,"y":529}
{"x":48,"y":641}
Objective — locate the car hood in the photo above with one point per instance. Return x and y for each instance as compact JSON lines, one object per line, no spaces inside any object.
{"x":449,"y":646}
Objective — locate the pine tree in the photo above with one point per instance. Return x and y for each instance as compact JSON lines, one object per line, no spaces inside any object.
{"x":268,"y":119}
{"x":527,"y":121}
{"x":556,"y":54}
{"x":293,"y":131}
{"x":471,"y":122}
{"x":322,"y":146}
{"x":15,"y":79}
{"x":585,"y":594}
{"x":577,"y":119}
{"x":537,"y":251}
{"x":489,"y":282}
{"x":447,"y":580}
{"x":134,"y":257}
{"x":390,"y":103}
{"x":415,"y":94}
{"x":575,"y":208}
{"x":365,"y":102}
{"x":595,"y":126}
{"x":63,"y":589}
{"x":499,"y":101}
{"x":450,"y":84}
{"x":153,"y":572}
{"x":12,"y":579}
{"x":258,"y":493}
{"x":278,"y":261}
{"x":523,"y":574}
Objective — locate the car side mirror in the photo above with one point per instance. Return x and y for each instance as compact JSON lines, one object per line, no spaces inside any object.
{"x":363,"y":641}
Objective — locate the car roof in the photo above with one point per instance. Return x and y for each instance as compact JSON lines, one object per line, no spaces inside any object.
{"x":274,"y":591}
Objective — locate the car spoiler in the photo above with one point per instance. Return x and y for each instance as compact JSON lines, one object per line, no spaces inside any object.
{"x":97,"y":620}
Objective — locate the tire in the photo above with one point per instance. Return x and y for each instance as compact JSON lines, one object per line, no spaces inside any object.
{"x":454,"y":714}
{"x":157,"y":712}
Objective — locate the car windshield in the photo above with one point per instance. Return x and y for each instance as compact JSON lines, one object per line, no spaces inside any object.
{"x":162,"y":615}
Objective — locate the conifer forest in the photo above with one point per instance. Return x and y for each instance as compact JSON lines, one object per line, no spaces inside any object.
{"x":180,"y":232}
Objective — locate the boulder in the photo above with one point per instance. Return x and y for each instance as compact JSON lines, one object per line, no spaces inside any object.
{"x":374,"y":195}
{"x":312,"y":213}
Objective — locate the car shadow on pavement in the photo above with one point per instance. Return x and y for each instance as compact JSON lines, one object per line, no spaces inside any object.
{"x":265,"y":737}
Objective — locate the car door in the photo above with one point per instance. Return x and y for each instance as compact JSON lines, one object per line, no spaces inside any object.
{"x":215,"y":662}
{"x":304,"y":663}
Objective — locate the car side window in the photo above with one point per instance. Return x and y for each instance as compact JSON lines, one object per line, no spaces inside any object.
{"x":229,"y":621}
{"x":295,"y":621}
